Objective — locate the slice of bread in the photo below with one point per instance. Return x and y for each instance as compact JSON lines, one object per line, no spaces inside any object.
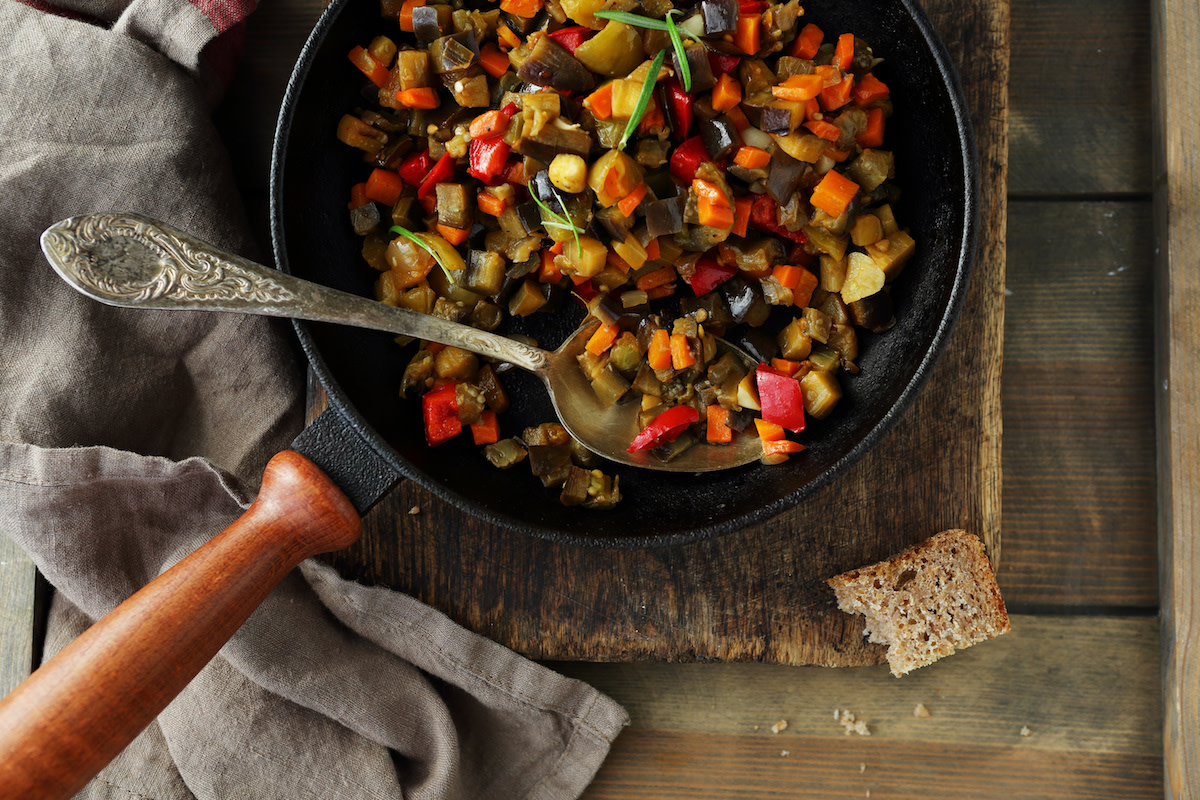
{"x":934,"y":598}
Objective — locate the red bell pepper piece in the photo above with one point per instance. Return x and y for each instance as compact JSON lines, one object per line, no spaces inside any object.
{"x":764,"y":216}
{"x":440,"y":411}
{"x":687,"y":158}
{"x":415,"y":167}
{"x":722,"y":62}
{"x":709,"y":274}
{"x":780,"y":397}
{"x":679,"y":109}
{"x":442,"y":171}
{"x":572,"y":37}
{"x":752,"y":6}
{"x":487,"y":158}
{"x":664,"y":428}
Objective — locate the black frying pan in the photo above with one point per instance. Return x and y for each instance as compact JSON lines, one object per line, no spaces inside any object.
{"x":369,"y":438}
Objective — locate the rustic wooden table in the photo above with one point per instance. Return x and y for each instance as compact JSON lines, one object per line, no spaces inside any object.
{"x":1100,"y":531}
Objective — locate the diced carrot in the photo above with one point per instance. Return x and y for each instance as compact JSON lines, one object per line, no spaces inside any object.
{"x":421,"y":97}
{"x":527,"y":9}
{"x":490,"y":204}
{"x":658,"y":353}
{"x":843,"y":52}
{"x":786,"y":366}
{"x":826,"y":130}
{"x":369,"y":65}
{"x":838,"y":95}
{"x":787,"y":275}
{"x":799,"y":88}
{"x":742,"y":209}
{"x":751,"y":157}
{"x":709,"y":190}
{"x":515,"y":172}
{"x":629,"y":203}
{"x":872,"y":136}
{"x":384,"y":186}
{"x":682,"y":356}
{"x":714,"y":215}
{"x":558,"y":247}
{"x":614,"y":261}
{"x":487,"y":429}
{"x":454,"y":236}
{"x":834,"y":154}
{"x":748,"y":35}
{"x":406,"y":12}
{"x":868,"y":90}
{"x":358,"y":196}
{"x":834,"y":193}
{"x":653,"y":118}
{"x":659,"y":292}
{"x":428,"y":203}
{"x":656,"y":278}
{"x":599,"y":342}
{"x":802,"y":292}
{"x":717,"y":428}
{"x":507,"y":38}
{"x":738,"y":118}
{"x":549,"y":271}
{"x":599,"y":102}
{"x":488,"y":124}
{"x":769,"y":431}
{"x":652,"y":250}
{"x":808,"y":42}
{"x":776,"y":451}
{"x":494,"y":62}
{"x":812,"y":108}
{"x":727,"y":93}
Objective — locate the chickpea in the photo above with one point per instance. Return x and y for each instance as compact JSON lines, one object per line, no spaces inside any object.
{"x":569,"y":172}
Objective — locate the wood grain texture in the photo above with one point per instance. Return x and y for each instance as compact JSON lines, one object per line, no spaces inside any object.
{"x":756,"y":594}
{"x":1176,"y":41}
{"x":74,"y":714}
{"x":1079,"y":685}
{"x":1079,"y":464}
{"x":1079,"y":94}
{"x":17,"y":581}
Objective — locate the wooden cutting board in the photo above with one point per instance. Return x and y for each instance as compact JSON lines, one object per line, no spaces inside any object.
{"x":757,"y":594}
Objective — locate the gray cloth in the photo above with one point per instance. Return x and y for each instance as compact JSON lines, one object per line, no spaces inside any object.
{"x":128,"y":438}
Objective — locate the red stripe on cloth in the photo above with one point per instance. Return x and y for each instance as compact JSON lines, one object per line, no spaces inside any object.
{"x":48,"y":8}
{"x":224,"y":14}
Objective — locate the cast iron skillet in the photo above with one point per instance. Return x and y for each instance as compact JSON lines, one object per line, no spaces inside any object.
{"x":379,"y":437}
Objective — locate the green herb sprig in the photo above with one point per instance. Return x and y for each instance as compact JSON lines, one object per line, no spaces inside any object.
{"x":643,"y":101}
{"x":685,"y":70}
{"x":557,"y":220}
{"x":424,"y":245}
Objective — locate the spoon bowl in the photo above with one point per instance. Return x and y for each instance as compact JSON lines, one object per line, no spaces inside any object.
{"x":132,"y":261}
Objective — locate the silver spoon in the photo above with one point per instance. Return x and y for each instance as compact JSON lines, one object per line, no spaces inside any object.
{"x":132,"y":261}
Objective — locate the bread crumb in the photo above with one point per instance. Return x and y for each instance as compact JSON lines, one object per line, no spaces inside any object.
{"x":920,"y":711}
{"x":852,"y":723}
{"x":1025,"y":730}
{"x":862,"y":768}
{"x":412,"y":512}
{"x":926,"y":602}
{"x":784,"y":753}
{"x":779,"y":726}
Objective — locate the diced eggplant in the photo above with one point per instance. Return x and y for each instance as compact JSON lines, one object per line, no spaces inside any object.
{"x":555,"y":138}
{"x":505,"y":453}
{"x":759,"y":343}
{"x":745,"y":301}
{"x":664,"y":217}
{"x":455,"y":205}
{"x":431,"y":22}
{"x":698,"y":65}
{"x":720,"y":16}
{"x":454,"y":52}
{"x":551,"y":64}
{"x":875,"y":313}
{"x":784,"y":176}
{"x":721,"y":137}
{"x":544,"y":189}
{"x":365,"y":218}
{"x":494,"y":392}
{"x":575,"y":487}
{"x":485,"y":272}
{"x":550,"y":462}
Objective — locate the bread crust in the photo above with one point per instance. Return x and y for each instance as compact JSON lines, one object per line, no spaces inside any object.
{"x":927,"y":602}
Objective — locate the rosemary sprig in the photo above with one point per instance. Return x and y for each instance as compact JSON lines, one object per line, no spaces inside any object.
{"x":643,"y":101}
{"x":424,"y":245}
{"x":638,"y":21}
{"x":685,"y":71}
{"x":560,"y":221}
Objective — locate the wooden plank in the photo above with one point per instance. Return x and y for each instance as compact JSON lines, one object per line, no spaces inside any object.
{"x":1080,"y":685}
{"x":1079,"y":465}
{"x":1176,"y":37}
{"x":17,"y":609}
{"x":1079,"y":94}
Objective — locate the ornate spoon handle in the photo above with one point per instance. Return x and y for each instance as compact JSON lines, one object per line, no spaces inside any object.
{"x":132,"y":261}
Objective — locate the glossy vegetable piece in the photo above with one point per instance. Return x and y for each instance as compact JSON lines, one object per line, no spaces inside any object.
{"x":550,"y":64}
{"x":664,"y":428}
{"x":780,"y":397}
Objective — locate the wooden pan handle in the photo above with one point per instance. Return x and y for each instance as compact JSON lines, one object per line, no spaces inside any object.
{"x":81,"y":708}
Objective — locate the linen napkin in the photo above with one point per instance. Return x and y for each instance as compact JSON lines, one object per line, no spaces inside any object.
{"x":128,"y":438}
